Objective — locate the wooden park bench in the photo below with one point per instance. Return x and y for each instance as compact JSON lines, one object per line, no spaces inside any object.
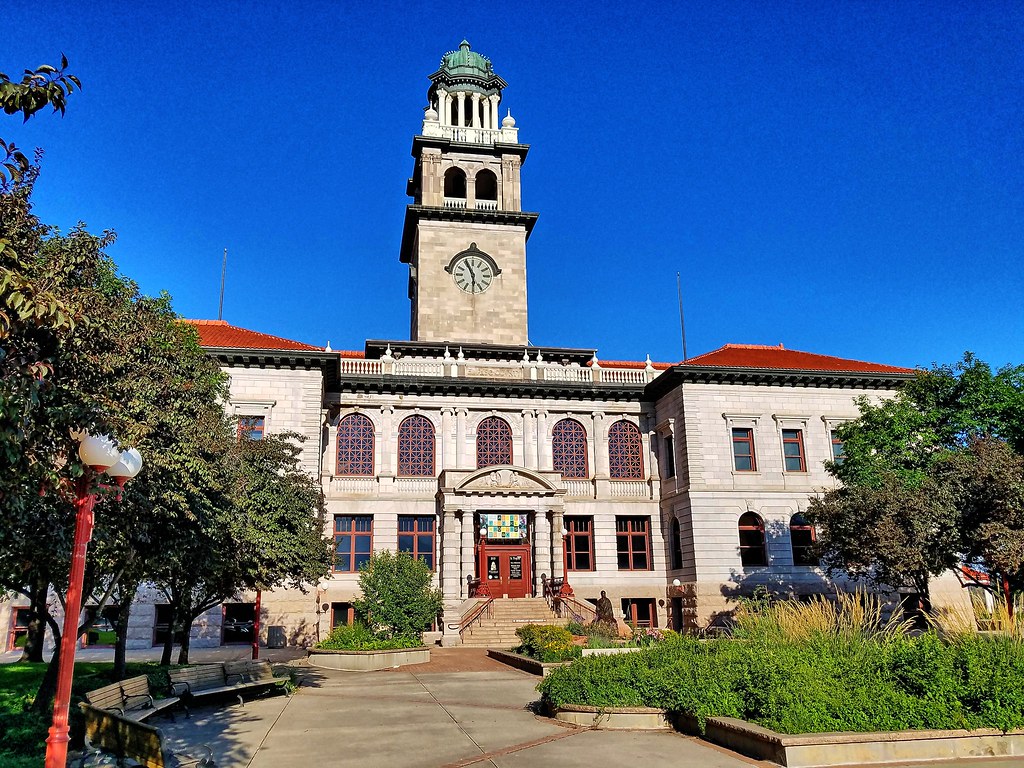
{"x":233,"y":677}
{"x":130,"y":698}
{"x":108,"y":733}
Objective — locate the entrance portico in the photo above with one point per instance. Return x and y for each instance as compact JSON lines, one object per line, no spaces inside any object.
{"x":502,"y":525}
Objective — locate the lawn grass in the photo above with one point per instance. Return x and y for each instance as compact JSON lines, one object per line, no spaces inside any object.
{"x":23,"y":733}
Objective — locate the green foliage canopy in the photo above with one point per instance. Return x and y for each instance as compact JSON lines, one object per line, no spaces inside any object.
{"x":397,"y":597}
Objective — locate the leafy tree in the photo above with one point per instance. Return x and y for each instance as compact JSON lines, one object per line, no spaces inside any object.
{"x":397,"y":598}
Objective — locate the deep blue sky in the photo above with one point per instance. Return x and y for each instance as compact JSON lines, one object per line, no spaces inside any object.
{"x":844,"y":178}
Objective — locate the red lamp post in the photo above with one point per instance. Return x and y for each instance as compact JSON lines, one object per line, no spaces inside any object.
{"x":100,"y":455}
{"x":483,"y":590}
{"x":566,"y":590}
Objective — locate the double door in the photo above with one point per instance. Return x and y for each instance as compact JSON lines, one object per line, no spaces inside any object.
{"x":507,"y":569}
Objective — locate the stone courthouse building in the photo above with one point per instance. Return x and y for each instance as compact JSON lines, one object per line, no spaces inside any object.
{"x":501,"y":464}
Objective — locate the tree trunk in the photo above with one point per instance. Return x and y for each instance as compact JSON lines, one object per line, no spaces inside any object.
{"x":165,"y":657}
{"x":124,"y":610}
{"x":186,"y":637}
{"x":43,"y":702}
{"x":36,"y":636}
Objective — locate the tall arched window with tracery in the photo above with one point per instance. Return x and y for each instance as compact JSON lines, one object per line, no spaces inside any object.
{"x":493,"y":443}
{"x":625,"y":452}
{"x":355,"y":445}
{"x":569,"y":449}
{"x":416,"y":447}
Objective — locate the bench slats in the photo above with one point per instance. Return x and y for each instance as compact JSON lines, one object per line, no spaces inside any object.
{"x":126,"y":738}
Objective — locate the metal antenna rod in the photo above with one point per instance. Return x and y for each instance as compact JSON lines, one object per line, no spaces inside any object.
{"x":682,"y":324}
{"x":223,"y":272}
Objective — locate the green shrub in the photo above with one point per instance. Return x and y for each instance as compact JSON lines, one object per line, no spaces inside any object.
{"x":575,"y":628}
{"x":358,"y":637}
{"x":397,"y":599}
{"x":546,"y":643}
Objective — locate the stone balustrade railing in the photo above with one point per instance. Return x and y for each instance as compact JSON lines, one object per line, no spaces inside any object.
{"x":469,"y":135}
{"x":426,"y":487}
{"x":502,"y":370}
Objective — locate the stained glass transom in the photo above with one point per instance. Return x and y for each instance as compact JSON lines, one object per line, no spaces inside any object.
{"x":625,"y":452}
{"x":355,"y":445}
{"x":416,"y":447}
{"x":569,"y":449}
{"x":493,"y":443}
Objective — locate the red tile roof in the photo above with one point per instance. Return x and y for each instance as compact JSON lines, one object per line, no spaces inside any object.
{"x":779,"y":358}
{"x":217,"y":333}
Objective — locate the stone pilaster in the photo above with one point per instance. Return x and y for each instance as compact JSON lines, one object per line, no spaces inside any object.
{"x":529,"y":439}
{"x":446,"y":443}
{"x":543,"y":444}
{"x":450,"y":573}
{"x":557,"y":542}
{"x":461,"y":416}
{"x":468,"y":550}
{"x":541,"y":550}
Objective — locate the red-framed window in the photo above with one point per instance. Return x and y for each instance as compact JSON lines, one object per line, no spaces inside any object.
{"x":793,"y":450}
{"x":353,"y":542}
{"x":569,"y":449}
{"x":579,"y":543}
{"x":640,"y":611}
{"x":19,"y":628}
{"x":675,"y":544}
{"x":801,"y":536}
{"x":251,"y":427}
{"x":355,"y":445}
{"x":416,"y":444}
{"x":743,"y":457}
{"x":752,"y":543}
{"x":838,"y":448}
{"x":416,"y":536}
{"x":238,"y":623}
{"x":493,"y":443}
{"x":342,"y":614}
{"x":625,"y":452}
{"x":633,"y":543}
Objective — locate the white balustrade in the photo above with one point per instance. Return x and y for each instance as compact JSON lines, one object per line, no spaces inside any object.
{"x":579,"y":488}
{"x":416,"y":486}
{"x":623,"y":376}
{"x":567,"y":373}
{"x":357,"y":366}
{"x":455,"y":203}
{"x":419,"y":368}
{"x":486,"y":205}
{"x":623,"y":488}
{"x":353,"y":485}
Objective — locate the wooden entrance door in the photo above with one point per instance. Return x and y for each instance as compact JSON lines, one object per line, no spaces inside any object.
{"x":507,"y":569}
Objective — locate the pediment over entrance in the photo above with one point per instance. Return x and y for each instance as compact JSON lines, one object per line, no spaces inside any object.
{"x":502,"y":480}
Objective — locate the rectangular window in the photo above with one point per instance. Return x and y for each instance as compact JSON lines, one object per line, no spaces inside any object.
{"x":416,"y":536}
{"x":238,"y":624}
{"x":633,"y":543}
{"x":19,"y":628}
{"x":670,"y":458}
{"x":640,"y":611}
{"x":353,"y":542}
{"x":838,"y":450}
{"x":793,"y":450}
{"x":251,"y":427}
{"x":743,"y":449}
{"x":162,"y":625}
{"x":579,"y":544}
{"x":103,"y":630}
{"x":342,"y":614}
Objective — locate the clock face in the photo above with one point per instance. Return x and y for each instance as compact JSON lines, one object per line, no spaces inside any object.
{"x":472,"y":274}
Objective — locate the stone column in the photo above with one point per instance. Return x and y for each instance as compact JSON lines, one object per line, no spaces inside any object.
{"x":475,"y":99}
{"x":543,"y":445}
{"x":541,"y":550}
{"x":461,"y":95}
{"x":495,"y":122}
{"x":450,"y":573}
{"x":529,"y":433}
{"x":460,"y":438}
{"x":468,"y":550}
{"x":384,"y":446}
{"x":447,"y":446}
{"x":557,"y":542}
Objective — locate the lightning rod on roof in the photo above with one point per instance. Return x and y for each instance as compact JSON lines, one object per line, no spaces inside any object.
{"x":682,"y":325}
{"x":223,"y":272}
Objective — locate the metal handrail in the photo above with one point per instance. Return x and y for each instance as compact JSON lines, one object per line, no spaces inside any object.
{"x":480,"y":610}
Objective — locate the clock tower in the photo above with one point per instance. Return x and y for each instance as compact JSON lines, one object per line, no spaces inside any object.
{"x":465,"y":231}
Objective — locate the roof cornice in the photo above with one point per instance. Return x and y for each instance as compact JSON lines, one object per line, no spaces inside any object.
{"x":416,"y":213}
{"x":547,"y":390}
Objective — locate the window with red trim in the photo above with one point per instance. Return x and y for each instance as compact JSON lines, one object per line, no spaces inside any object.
{"x":416,"y":447}
{"x":625,"y":452}
{"x":416,"y":536}
{"x":353,"y":542}
{"x":743,"y":456}
{"x":493,"y":443}
{"x":801,"y":536}
{"x":19,"y":628}
{"x":569,"y":449}
{"x":838,"y":448}
{"x":633,"y":543}
{"x":579,"y":543}
{"x":251,"y":427}
{"x":752,"y":543}
{"x":793,"y":450}
{"x":676,"y":544}
{"x":355,"y":445}
{"x":640,"y":611}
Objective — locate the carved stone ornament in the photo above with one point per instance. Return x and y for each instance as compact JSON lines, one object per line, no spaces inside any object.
{"x":503,"y":478}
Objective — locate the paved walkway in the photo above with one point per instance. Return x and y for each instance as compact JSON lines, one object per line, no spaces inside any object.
{"x":461,"y":709}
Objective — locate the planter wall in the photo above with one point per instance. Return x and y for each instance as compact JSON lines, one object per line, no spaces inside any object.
{"x":524,"y":663}
{"x":365,"y":661}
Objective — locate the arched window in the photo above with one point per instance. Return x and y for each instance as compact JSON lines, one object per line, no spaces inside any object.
{"x":569,"y":449}
{"x":493,"y":443}
{"x":676,"y":543}
{"x":486,"y":185}
{"x":355,"y":445}
{"x":416,"y":447}
{"x":455,"y":183}
{"x":801,"y":536}
{"x":625,"y":452}
{"x":752,"y":549}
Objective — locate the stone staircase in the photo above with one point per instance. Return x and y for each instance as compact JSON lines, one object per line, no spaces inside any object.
{"x":498,"y":630}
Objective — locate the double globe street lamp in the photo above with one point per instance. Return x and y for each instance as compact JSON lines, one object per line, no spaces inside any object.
{"x":100,"y":454}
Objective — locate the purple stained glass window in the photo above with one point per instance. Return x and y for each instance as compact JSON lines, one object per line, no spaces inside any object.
{"x":416,"y":447}
{"x":355,"y":445}
{"x":569,"y":449}
{"x":493,"y":443}
{"x":625,"y":452}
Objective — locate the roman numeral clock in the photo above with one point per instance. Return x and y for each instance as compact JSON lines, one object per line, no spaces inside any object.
{"x":473,"y":270}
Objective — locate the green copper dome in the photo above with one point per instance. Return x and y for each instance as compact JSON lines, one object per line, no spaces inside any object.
{"x":466,"y":69}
